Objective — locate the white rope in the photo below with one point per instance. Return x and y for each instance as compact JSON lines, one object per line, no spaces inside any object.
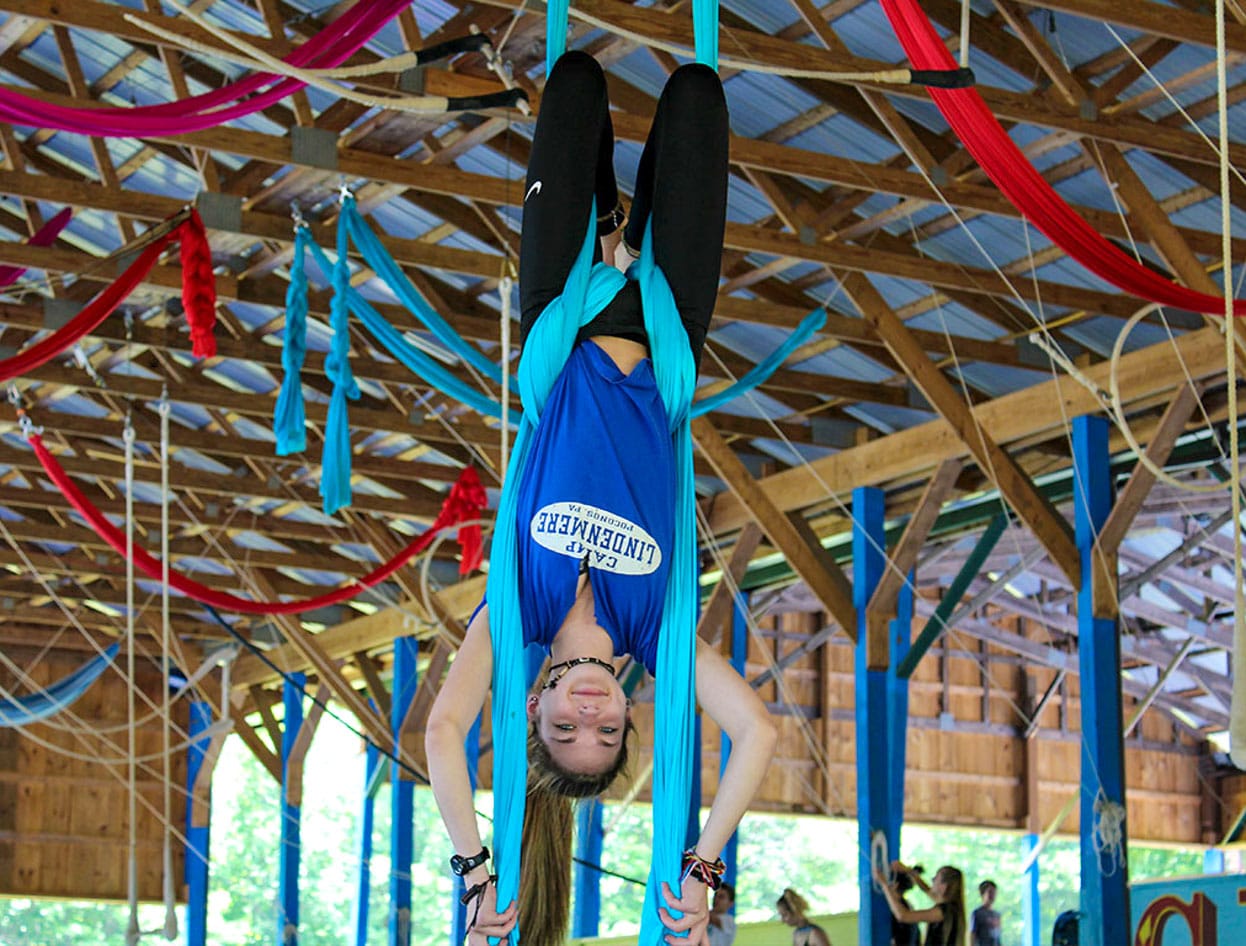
{"x":1116,"y":409}
{"x":965,"y":11}
{"x":251,"y":57}
{"x":880,"y":860}
{"x":504,"y":291}
{"x":170,"y":899}
{"x":1109,"y":831}
{"x":132,"y":932}
{"x":1237,"y":709}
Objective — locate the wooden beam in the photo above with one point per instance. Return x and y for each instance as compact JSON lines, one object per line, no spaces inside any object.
{"x":818,"y":571}
{"x":372,"y":677}
{"x":1037,"y":513}
{"x":717,"y":610}
{"x":1136,"y":489}
{"x":1037,"y":412}
{"x":882,"y":607}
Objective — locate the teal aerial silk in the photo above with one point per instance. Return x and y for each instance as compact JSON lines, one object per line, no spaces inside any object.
{"x":589,"y":288}
{"x":21,"y":710}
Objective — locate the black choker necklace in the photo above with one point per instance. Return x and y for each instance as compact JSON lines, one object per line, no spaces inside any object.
{"x":566,"y":665}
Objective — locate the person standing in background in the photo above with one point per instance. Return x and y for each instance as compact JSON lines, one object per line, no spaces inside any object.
{"x":984,"y":927}
{"x":721,"y":930}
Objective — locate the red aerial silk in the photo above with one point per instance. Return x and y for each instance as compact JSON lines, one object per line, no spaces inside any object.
{"x":1021,"y":183}
{"x":466,"y":500}
{"x":198,"y":300}
{"x":45,"y":236}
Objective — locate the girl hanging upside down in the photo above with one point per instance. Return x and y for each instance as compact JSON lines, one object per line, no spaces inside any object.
{"x":596,"y":505}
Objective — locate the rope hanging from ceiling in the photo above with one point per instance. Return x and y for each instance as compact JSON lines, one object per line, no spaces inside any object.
{"x":1019,"y":181}
{"x":466,"y":500}
{"x":198,"y":296}
{"x":289,"y":419}
{"x":50,"y":700}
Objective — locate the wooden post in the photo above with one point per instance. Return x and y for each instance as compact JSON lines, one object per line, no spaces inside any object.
{"x":868,"y":561}
{"x":198,"y":829}
{"x":1105,"y":874}
{"x":402,"y":794}
{"x":291,"y":772}
{"x":588,"y":847}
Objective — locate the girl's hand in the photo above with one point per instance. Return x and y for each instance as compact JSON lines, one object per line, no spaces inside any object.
{"x":486,"y":921}
{"x":693,"y":903}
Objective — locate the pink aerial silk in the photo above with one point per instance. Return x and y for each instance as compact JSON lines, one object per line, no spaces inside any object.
{"x":45,"y":236}
{"x":330,"y":47}
{"x":1022,"y":184}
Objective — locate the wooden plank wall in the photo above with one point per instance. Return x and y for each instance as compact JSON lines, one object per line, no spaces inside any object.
{"x":64,"y":821}
{"x":967,"y":768}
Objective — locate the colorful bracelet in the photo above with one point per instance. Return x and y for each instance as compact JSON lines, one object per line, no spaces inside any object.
{"x":709,"y":873}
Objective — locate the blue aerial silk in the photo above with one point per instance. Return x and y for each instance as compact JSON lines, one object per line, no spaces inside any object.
{"x":335,"y":461}
{"x":20,"y":710}
{"x":589,"y":288}
{"x":289,"y":419}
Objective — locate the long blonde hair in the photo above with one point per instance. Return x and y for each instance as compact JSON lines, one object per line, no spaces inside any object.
{"x":545,"y":864}
{"x":794,"y":903}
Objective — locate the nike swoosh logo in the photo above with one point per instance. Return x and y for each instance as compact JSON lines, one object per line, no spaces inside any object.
{"x":534,"y":189}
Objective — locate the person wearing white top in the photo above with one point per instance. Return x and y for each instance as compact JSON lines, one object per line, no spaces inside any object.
{"x":721,"y":929}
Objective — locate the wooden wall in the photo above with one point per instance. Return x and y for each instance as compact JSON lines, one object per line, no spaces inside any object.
{"x":63,"y":821}
{"x":966,"y":754}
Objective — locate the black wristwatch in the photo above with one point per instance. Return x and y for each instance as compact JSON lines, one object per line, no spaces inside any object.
{"x":465,"y":865}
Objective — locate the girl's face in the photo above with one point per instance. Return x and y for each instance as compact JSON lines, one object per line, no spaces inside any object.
{"x":938,"y":886}
{"x":582,"y":719}
{"x":786,"y":914}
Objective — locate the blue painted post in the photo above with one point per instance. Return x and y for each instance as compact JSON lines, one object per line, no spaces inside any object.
{"x":291,"y":815}
{"x":401,"y":795}
{"x":692,"y":833}
{"x":588,"y":848}
{"x":1031,"y":899}
{"x":1213,"y":861}
{"x":458,"y":912}
{"x":874,"y":919}
{"x":739,"y":654}
{"x":1105,"y":881}
{"x":198,"y":830}
{"x":371,"y":771}
{"x":898,"y":710}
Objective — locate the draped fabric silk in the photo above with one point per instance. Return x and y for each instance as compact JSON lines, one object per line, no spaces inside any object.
{"x":466,"y":500}
{"x":198,"y":300}
{"x":331,"y":47}
{"x":1020,"y":182}
{"x":45,"y":236}
{"x":50,"y":700}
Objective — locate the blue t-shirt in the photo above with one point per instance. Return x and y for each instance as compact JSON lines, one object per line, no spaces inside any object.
{"x":600,"y":483}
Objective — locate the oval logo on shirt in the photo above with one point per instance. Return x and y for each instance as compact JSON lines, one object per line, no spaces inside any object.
{"x":612,"y":543}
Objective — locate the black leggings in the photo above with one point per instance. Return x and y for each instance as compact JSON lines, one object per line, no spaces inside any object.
{"x":681,"y":181}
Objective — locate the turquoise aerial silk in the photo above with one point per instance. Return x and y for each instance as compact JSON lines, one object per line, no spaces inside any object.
{"x":21,"y":710}
{"x":377,"y":257}
{"x":420,"y":363}
{"x":588,"y":289}
{"x":548,"y":345}
{"x":335,"y":461}
{"x":289,"y":419}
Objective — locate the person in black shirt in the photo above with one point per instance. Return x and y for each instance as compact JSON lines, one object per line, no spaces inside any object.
{"x":945,"y":920}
